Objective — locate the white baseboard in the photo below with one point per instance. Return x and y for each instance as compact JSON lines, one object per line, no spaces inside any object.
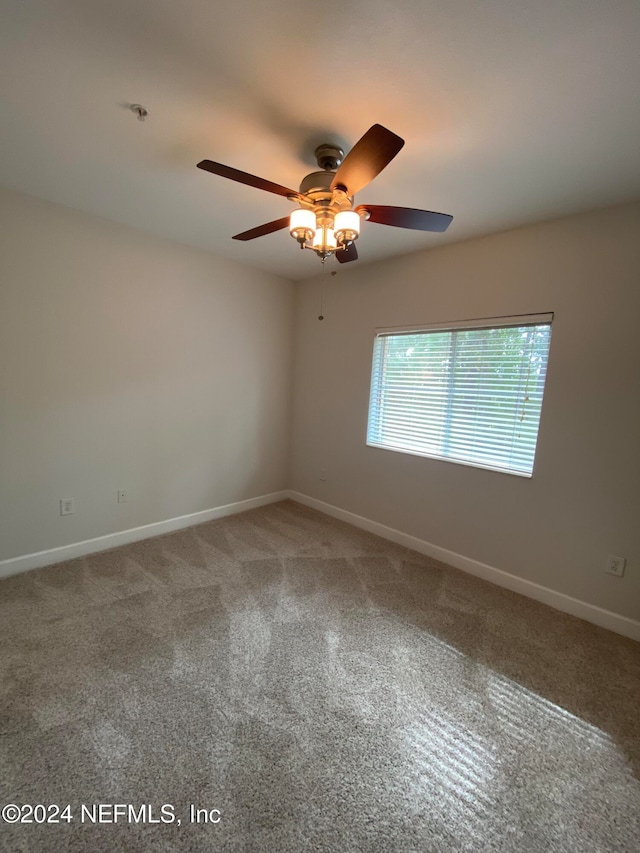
{"x":589,"y":612}
{"x":124,"y":537}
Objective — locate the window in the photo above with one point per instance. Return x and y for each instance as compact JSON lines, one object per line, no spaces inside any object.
{"x":469,"y":392}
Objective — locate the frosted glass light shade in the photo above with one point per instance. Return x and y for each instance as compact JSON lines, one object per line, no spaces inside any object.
{"x":347,"y":225}
{"x":324,"y":239}
{"x":302,"y":224}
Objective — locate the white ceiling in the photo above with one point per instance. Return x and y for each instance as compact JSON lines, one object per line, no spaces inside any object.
{"x":512,"y":111}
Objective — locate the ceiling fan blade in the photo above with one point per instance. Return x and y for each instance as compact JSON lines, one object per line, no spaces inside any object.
{"x":350,"y":253}
{"x":245,"y":178}
{"x":368,"y":157}
{"x":261,"y":230}
{"x":406,"y":217}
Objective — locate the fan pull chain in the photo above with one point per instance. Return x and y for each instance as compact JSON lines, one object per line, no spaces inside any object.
{"x":321,"y":314}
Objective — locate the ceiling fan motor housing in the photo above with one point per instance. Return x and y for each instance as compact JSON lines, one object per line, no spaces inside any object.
{"x":317,"y":183}
{"x":317,"y":195}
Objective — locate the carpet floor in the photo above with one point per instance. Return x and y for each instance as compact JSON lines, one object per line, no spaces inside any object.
{"x":307,"y":687}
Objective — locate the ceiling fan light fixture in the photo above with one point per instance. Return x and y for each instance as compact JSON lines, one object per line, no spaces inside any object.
{"x":302,"y":224}
{"x":326,"y":222}
{"x":346,"y":226}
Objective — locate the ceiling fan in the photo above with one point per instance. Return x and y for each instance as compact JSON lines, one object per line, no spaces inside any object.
{"x":326,"y":220}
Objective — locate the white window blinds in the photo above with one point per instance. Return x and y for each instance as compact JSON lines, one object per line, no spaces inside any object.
{"x":468,"y":392}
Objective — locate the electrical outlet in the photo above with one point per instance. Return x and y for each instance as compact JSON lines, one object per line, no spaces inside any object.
{"x":123,"y":496}
{"x":67,"y":506}
{"x":323,"y":475}
{"x":616,"y":565}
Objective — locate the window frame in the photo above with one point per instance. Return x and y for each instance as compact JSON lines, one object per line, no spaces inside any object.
{"x":511,"y":321}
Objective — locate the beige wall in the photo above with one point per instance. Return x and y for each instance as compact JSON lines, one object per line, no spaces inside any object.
{"x":583,"y":501}
{"x":131,"y":362}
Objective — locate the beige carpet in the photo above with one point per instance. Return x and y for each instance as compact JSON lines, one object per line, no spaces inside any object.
{"x":323,"y":689}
